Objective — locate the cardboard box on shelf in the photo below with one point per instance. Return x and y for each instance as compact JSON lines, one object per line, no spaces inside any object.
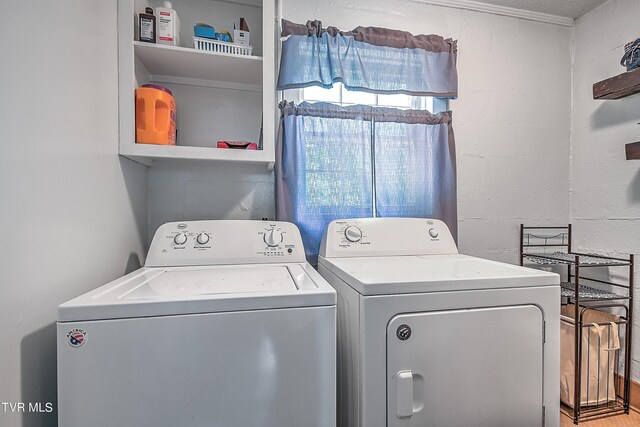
{"x":242,"y":35}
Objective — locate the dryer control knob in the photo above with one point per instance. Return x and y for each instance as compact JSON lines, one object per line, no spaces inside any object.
{"x":353,"y":234}
{"x":203,"y":238}
{"x":433,"y":233}
{"x":180,"y":239}
{"x":273,"y":237}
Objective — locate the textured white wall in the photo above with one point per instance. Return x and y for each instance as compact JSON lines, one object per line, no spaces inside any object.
{"x":73,"y":212}
{"x":511,"y":120}
{"x":511,"y":123}
{"x":605,"y":188}
{"x":187,"y":191}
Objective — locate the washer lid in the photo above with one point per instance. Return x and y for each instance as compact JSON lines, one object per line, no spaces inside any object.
{"x":208,"y":289}
{"x":432,"y":273}
{"x":174,"y":283}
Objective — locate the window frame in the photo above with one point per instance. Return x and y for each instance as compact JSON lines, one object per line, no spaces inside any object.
{"x":434,"y":105}
{"x":429,"y":103}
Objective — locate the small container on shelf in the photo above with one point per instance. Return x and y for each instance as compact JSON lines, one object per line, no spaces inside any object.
{"x":238,"y":145}
{"x":168,"y":25}
{"x":147,"y":26}
{"x":155,"y":115}
{"x":224,"y":36}
{"x":205,"y":31}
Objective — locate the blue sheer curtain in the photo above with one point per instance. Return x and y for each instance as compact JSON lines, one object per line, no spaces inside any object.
{"x":326,"y":155}
{"x":415,"y":169}
{"x":324,"y":170}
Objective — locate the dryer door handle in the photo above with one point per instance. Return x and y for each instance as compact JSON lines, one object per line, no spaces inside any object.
{"x":404,"y":394}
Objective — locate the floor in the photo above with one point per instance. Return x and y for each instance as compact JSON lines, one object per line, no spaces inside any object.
{"x":631,"y":420}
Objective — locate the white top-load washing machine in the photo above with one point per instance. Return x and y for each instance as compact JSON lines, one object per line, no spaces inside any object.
{"x":225,"y":326}
{"x":429,"y":337}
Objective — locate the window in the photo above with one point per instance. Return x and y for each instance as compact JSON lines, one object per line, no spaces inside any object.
{"x":365,"y":162}
{"x":321,"y":187}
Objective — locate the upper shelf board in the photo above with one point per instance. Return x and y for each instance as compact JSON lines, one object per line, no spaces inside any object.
{"x":185,"y":62}
{"x":617,"y":87}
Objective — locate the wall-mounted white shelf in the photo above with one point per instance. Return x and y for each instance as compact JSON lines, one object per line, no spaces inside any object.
{"x":146,"y":153}
{"x":243,"y":85}
{"x":189,"y":63}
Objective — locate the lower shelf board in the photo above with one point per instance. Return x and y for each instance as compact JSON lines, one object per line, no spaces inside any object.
{"x":146,"y":153}
{"x":633,"y":150}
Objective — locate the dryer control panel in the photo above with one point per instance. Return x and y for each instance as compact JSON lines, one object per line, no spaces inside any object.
{"x":387,"y":237}
{"x":225,"y":242}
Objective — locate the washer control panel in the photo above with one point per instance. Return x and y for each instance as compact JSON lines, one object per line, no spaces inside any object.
{"x":387,"y":237}
{"x":225,"y":242}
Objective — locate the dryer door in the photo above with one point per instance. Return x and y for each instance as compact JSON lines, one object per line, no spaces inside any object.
{"x":476,"y":367}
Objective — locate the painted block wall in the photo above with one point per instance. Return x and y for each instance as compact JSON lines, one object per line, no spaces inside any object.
{"x":605,"y":188}
{"x":511,"y":120}
{"x":185,"y":191}
{"x":511,"y":123}
{"x":73,"y":212}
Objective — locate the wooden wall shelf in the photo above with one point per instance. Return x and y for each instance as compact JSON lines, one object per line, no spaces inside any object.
{"x":633,"y":151}
{"x":617,"y":87}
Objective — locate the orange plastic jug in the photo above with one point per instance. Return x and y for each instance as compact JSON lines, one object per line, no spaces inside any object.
{"x":155,"y":115}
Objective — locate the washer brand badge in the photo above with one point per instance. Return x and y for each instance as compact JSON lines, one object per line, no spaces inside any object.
{"x":77,"y":337}
{"x":182,"y":226}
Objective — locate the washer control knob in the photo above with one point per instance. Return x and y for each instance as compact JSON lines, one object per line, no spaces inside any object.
{"x":433,"y":233}
{"x":203,"y":238}
{"x":353,"y":234}
{"x":180,"y":239}
{"x":273,"y":237}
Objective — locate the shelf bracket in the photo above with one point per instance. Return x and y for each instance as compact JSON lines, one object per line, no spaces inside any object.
{"x":141,"y":160}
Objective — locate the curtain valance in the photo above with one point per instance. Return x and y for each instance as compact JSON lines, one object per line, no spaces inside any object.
{"x":369,"y":59}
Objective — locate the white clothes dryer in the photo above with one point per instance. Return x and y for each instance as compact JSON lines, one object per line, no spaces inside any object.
{"x":430,"y":337}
